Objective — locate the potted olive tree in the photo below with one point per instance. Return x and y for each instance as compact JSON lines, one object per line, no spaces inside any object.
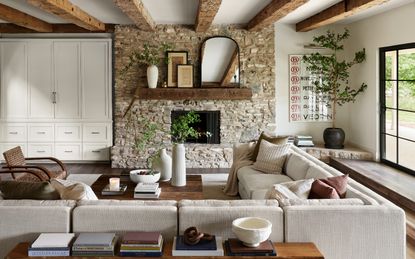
{"x":331,"y":78}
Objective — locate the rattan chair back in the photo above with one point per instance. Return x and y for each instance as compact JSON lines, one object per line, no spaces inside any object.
{"x":14,"y":157}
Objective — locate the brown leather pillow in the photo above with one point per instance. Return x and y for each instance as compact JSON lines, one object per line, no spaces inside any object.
{"x":273,"y":140}
{"x":339,"y":183}
{"x":321,"y":190}
{"x":28,"y":190}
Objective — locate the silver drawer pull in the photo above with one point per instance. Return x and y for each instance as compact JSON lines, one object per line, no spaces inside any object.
{"x":68,"y":132}
{"x":41,"y":132}
{"x":68,"y":151}
{"x":40,"y":151}
{"x":95,"y":132}
{"x":96,"y":151}
{"x":13,"y":132}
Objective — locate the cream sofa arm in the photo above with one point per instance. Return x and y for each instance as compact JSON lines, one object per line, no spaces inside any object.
{"x":344,"y":232}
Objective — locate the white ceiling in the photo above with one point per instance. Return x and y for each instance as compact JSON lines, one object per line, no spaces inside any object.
{"x":184,"y":11}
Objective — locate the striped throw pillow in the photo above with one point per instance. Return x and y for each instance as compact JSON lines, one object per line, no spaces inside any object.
{"x":271,"y":157}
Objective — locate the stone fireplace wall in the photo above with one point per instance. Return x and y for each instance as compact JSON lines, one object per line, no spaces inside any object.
{"x":241,"y":120}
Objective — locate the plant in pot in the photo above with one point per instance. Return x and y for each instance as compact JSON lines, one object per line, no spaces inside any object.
{"x":331,"y":78}
{"x":151,"y":56}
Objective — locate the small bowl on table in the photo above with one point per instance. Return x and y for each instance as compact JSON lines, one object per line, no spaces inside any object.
{"x":144,"y":176}
{"x":251,"y":230}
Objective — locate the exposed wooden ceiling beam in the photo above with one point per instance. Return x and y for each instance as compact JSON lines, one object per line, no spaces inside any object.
{"x":24,"y":20}
{"x":206,"y":13}
{"x":138,"y":13}
{"x":274,"y":11}
{"x":336,"y":13}
{"x":56,"y":28}
{"x":69,"y":12}
{"x":230,"y":70}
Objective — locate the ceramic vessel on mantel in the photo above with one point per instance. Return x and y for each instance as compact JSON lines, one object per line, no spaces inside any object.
{"x":179,"y":165}
{"x":163,"y":163}
{"x":152,"y":76}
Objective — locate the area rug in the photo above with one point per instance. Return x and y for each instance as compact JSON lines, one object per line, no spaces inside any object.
{"x":213,"y":185}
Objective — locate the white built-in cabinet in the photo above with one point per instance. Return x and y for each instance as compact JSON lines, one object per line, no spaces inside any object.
{"x":55,"y":97}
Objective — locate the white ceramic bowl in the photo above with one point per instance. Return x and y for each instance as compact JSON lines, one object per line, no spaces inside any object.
{"x":251,"y":230}
{"x":136,"y":177}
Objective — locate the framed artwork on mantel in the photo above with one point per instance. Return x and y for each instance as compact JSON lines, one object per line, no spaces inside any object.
{"x":174,"y":58}
{"x":184,"y":75}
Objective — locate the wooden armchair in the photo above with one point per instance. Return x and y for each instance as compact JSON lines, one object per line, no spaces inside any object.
{"x":17,"y":167}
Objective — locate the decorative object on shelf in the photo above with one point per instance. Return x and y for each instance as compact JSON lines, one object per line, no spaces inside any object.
{"x":144,"y":176}
{"x":179,"y":165}
{"x":150,"y":56}
{"x":184,"y":75}
{"x":332,"y":79}
{"x":251,"y":230}
{"x":162,"y":162}
{"x":219,"y":62}
{"x":192,"y":236}
{"x":174,"y":58}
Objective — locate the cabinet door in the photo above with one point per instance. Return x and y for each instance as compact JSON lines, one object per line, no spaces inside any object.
{"x":67,"y":86}
{"x":39,"y":55}
{"x":95,"y":81}
{"x":13,"y":80}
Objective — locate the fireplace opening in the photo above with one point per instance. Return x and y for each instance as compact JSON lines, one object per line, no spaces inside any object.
{"x":209,"y":122}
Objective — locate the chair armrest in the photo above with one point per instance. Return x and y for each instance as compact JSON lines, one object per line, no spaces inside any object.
{"x":28,"y":167}
{"x":48,"y":158}
{"x":12,"y":172}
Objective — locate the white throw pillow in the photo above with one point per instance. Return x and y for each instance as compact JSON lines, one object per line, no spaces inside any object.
{"x":291,"y":190}
{"x":271,"y":157}
{"x":73,"y":190}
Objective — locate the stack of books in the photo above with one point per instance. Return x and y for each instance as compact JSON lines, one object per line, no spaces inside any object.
{"x":142,"y":244}
{"x":51,"y":244}
{"x":303,"y":141}
{"x":203,"y":248}
{"x":147,"y":191}
{"x":235,"y":247}
{"x":94,"y":244}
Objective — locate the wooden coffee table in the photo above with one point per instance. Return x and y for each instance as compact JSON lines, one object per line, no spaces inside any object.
{"x":192,"y":191}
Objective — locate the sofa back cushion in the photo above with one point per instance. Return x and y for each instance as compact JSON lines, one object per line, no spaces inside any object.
{"x":271,"y":157}
{"x":317,"y":172}
{"x":296,"y":166}
{"x":278,"y":140}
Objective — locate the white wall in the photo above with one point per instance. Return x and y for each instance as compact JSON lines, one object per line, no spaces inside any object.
{"x":387,"y":29}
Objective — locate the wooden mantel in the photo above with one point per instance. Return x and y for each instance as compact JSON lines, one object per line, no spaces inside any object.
{"x":194,"y":94}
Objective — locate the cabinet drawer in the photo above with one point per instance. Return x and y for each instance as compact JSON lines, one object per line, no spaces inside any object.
{"x":41,"y":132}
{"x":96,"y":152}
{"x":68,"y":151}
{"x":68,"y":132}
{"x":41,"y":149}
{"x":96,"y":132}
{"x":7,"y":146}
{"x":14,"y":133}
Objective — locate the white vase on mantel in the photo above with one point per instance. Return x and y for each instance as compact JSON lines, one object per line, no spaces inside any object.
{"x":179,"y":165}
{"x":152,"y":76}
{"x":163,"y":164}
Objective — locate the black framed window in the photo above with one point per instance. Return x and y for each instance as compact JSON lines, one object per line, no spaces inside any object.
{"x":397,"y":106}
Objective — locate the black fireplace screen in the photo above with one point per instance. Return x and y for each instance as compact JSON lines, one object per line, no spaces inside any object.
{"x":209,"y":122}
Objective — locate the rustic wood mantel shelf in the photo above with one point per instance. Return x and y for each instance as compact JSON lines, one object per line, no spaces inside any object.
{"x":194,"y":94}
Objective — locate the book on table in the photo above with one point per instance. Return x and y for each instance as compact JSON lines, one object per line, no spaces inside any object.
{"x":108,"y":191}
{"x":147,"y":195}
{"x":235,"y":247}
{"x":142,"y":244}
{"x":213,"y":247}
{"x":51,"y":244}
{"x":146,"y":187}
{"x":94,"y":244}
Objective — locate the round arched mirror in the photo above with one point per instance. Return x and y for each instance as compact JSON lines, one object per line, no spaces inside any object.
{"x":219,"y":62}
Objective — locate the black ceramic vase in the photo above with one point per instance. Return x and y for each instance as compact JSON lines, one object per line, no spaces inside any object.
{"x":334,"y":138}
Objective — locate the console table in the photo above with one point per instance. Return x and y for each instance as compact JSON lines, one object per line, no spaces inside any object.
{"x":284,"y":250}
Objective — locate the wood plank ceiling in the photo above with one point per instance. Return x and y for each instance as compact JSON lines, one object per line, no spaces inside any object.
{"x":80,"y":21}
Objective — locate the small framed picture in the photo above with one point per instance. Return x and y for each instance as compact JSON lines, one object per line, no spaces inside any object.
{"x":184,"y":75}
{"x":174,"y":58}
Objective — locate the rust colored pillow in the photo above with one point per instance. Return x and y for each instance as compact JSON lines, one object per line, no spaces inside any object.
{"x":339,"y":183}
{"x":321,"y":190}
{"x":273,"y":140}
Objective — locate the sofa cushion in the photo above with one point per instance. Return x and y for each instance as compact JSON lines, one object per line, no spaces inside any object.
{"x":296,"y":166}
{"x":274,"y":140}
{"x":354,"y":193}
{"x":73,"y":190}
{"x":339,"y":183}
{"x":317,"y":172}
{"x":318,"y":202}
{"x":28,"y":190}
{"x":321,"y":190}
{"x":271,"y":157}
{"x":291,"y":190}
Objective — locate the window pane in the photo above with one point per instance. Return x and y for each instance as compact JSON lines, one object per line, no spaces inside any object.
{"x":407,"y":64}
{"x":390,"y":149}
{"x":390,"y":66}
{"x":390,"y":94}
{"x":390,"y":122}
{"x":407,"y":125}
{"x":407,"y":95}
{"x":406,"y":154}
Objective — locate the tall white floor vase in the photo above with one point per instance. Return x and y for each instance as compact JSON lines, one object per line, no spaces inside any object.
{"x":179,"y":165}
{"x":152,"y":76}
{"x":163,"y":164}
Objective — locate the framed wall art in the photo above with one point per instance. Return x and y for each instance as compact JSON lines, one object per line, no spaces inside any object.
{"x":184,"y":75}
{"x":174,"y":58}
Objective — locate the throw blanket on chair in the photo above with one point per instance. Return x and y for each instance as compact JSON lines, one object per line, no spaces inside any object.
{"x":242,"y":156}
